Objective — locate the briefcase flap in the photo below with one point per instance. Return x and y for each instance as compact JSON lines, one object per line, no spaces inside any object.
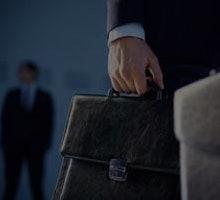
{"x":134,"y":129}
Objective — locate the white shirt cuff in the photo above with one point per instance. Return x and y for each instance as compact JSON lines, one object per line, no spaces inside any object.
{"x":127,"y":30}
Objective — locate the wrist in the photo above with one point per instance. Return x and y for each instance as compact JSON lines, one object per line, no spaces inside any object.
{"x":128,"y":30}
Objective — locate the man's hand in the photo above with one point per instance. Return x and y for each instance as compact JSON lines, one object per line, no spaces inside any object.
{"x":129,"y":57}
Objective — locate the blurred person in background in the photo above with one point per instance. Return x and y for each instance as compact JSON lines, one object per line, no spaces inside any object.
{"x":27,"y":121}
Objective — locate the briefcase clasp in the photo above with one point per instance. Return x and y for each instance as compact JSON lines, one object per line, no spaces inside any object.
{"x":118,"y":170}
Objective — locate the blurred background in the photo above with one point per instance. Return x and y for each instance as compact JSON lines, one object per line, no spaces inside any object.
{"x":67,"y":40}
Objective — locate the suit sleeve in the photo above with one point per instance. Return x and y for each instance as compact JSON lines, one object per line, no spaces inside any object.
{"x":120,"y":12}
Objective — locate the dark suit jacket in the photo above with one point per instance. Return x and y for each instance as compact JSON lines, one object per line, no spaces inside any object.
{"x":179,"y":31}
{"x":21,"y":127}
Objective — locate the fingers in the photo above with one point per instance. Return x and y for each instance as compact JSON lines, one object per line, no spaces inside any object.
{"x":119,"y":84}
{"x":123,"y":82}
{"x":140,"y":82}
{"x":137,"y":83}
{"x":128,"y":80}
{"x":128,"y":59}
{"x":155,"y":69}
{"x":116,"y":85}
{"x":157,"y":75}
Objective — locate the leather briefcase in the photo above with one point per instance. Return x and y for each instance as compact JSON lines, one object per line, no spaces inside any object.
{"x":119,"y":147}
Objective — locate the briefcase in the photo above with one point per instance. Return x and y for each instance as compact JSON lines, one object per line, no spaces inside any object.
{"x":119,"y":147}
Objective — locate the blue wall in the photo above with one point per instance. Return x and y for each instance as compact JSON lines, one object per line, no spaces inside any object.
{"x":68,"y":40}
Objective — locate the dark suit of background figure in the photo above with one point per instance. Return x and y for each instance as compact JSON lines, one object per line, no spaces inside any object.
{"x":184,"y":35}
{"x":26,"y":135}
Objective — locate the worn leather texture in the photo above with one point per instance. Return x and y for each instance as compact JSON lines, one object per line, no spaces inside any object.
{"x":138,"y":130}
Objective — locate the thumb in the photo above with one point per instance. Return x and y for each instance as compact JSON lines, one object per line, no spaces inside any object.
{"x":155,"y":69}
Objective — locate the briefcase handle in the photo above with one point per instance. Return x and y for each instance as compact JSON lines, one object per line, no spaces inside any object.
{"x":150,"y":95}
{"x":155,"y":92}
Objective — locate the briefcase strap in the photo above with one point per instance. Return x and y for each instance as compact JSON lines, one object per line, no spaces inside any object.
{"x":128,"y":165}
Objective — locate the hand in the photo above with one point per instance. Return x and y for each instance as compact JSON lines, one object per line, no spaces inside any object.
{"x":128,"y":59}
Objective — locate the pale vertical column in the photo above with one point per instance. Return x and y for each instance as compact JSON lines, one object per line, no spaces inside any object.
{"x":197,"y":126}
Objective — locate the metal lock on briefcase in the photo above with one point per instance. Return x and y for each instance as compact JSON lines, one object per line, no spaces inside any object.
{"x":117,"y":170}
{"x":105,"y":135}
